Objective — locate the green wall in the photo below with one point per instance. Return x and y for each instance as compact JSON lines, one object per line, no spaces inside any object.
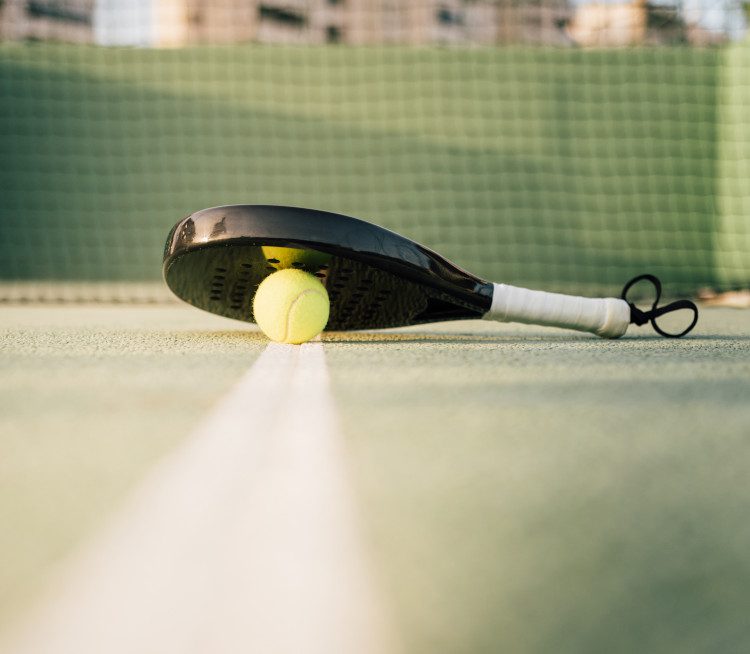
{"x":566,"y":169}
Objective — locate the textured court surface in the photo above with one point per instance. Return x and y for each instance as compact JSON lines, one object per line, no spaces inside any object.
{"x":522,"y":489}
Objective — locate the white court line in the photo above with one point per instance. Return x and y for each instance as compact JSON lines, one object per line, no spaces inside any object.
{"x":244,"y":540}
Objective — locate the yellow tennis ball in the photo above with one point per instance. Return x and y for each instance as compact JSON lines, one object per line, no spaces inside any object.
{"x":284,"y":257}
{"x":291,"y":306}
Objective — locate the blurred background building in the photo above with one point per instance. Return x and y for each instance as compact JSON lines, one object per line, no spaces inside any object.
{"x":165,"y":23}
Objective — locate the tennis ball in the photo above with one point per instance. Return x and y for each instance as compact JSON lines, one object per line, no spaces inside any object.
{"x":285,"y":257}
{"x":291,"y":306}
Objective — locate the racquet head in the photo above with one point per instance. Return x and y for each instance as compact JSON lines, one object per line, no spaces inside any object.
{"x":215,"y":259}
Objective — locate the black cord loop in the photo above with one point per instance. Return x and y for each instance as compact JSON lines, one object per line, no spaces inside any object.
{"x":640,"y":317}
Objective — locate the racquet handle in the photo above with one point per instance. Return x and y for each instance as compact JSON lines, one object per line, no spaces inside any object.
{"x":606,"y":317}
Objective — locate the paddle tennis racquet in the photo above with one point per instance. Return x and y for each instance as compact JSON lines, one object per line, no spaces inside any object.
{"x":215,"y":259}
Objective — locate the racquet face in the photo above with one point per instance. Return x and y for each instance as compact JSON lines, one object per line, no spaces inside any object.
{"x":215,"y":259}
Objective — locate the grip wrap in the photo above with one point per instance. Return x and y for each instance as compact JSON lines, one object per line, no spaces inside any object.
{"x":606,"y":317}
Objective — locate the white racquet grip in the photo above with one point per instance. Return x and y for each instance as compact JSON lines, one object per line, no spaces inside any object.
{"x":608,"y":317}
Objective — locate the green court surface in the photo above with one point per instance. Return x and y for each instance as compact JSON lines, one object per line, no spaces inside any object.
{"x":522,"y":489}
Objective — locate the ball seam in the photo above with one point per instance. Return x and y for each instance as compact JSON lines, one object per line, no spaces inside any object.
{"x":291,"y":307}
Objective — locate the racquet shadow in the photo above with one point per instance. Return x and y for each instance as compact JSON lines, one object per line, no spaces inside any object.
{"x":373,"y":338}
{"x":512,"y":338}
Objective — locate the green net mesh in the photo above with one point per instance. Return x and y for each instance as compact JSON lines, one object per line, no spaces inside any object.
{"x":540,"y":143}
